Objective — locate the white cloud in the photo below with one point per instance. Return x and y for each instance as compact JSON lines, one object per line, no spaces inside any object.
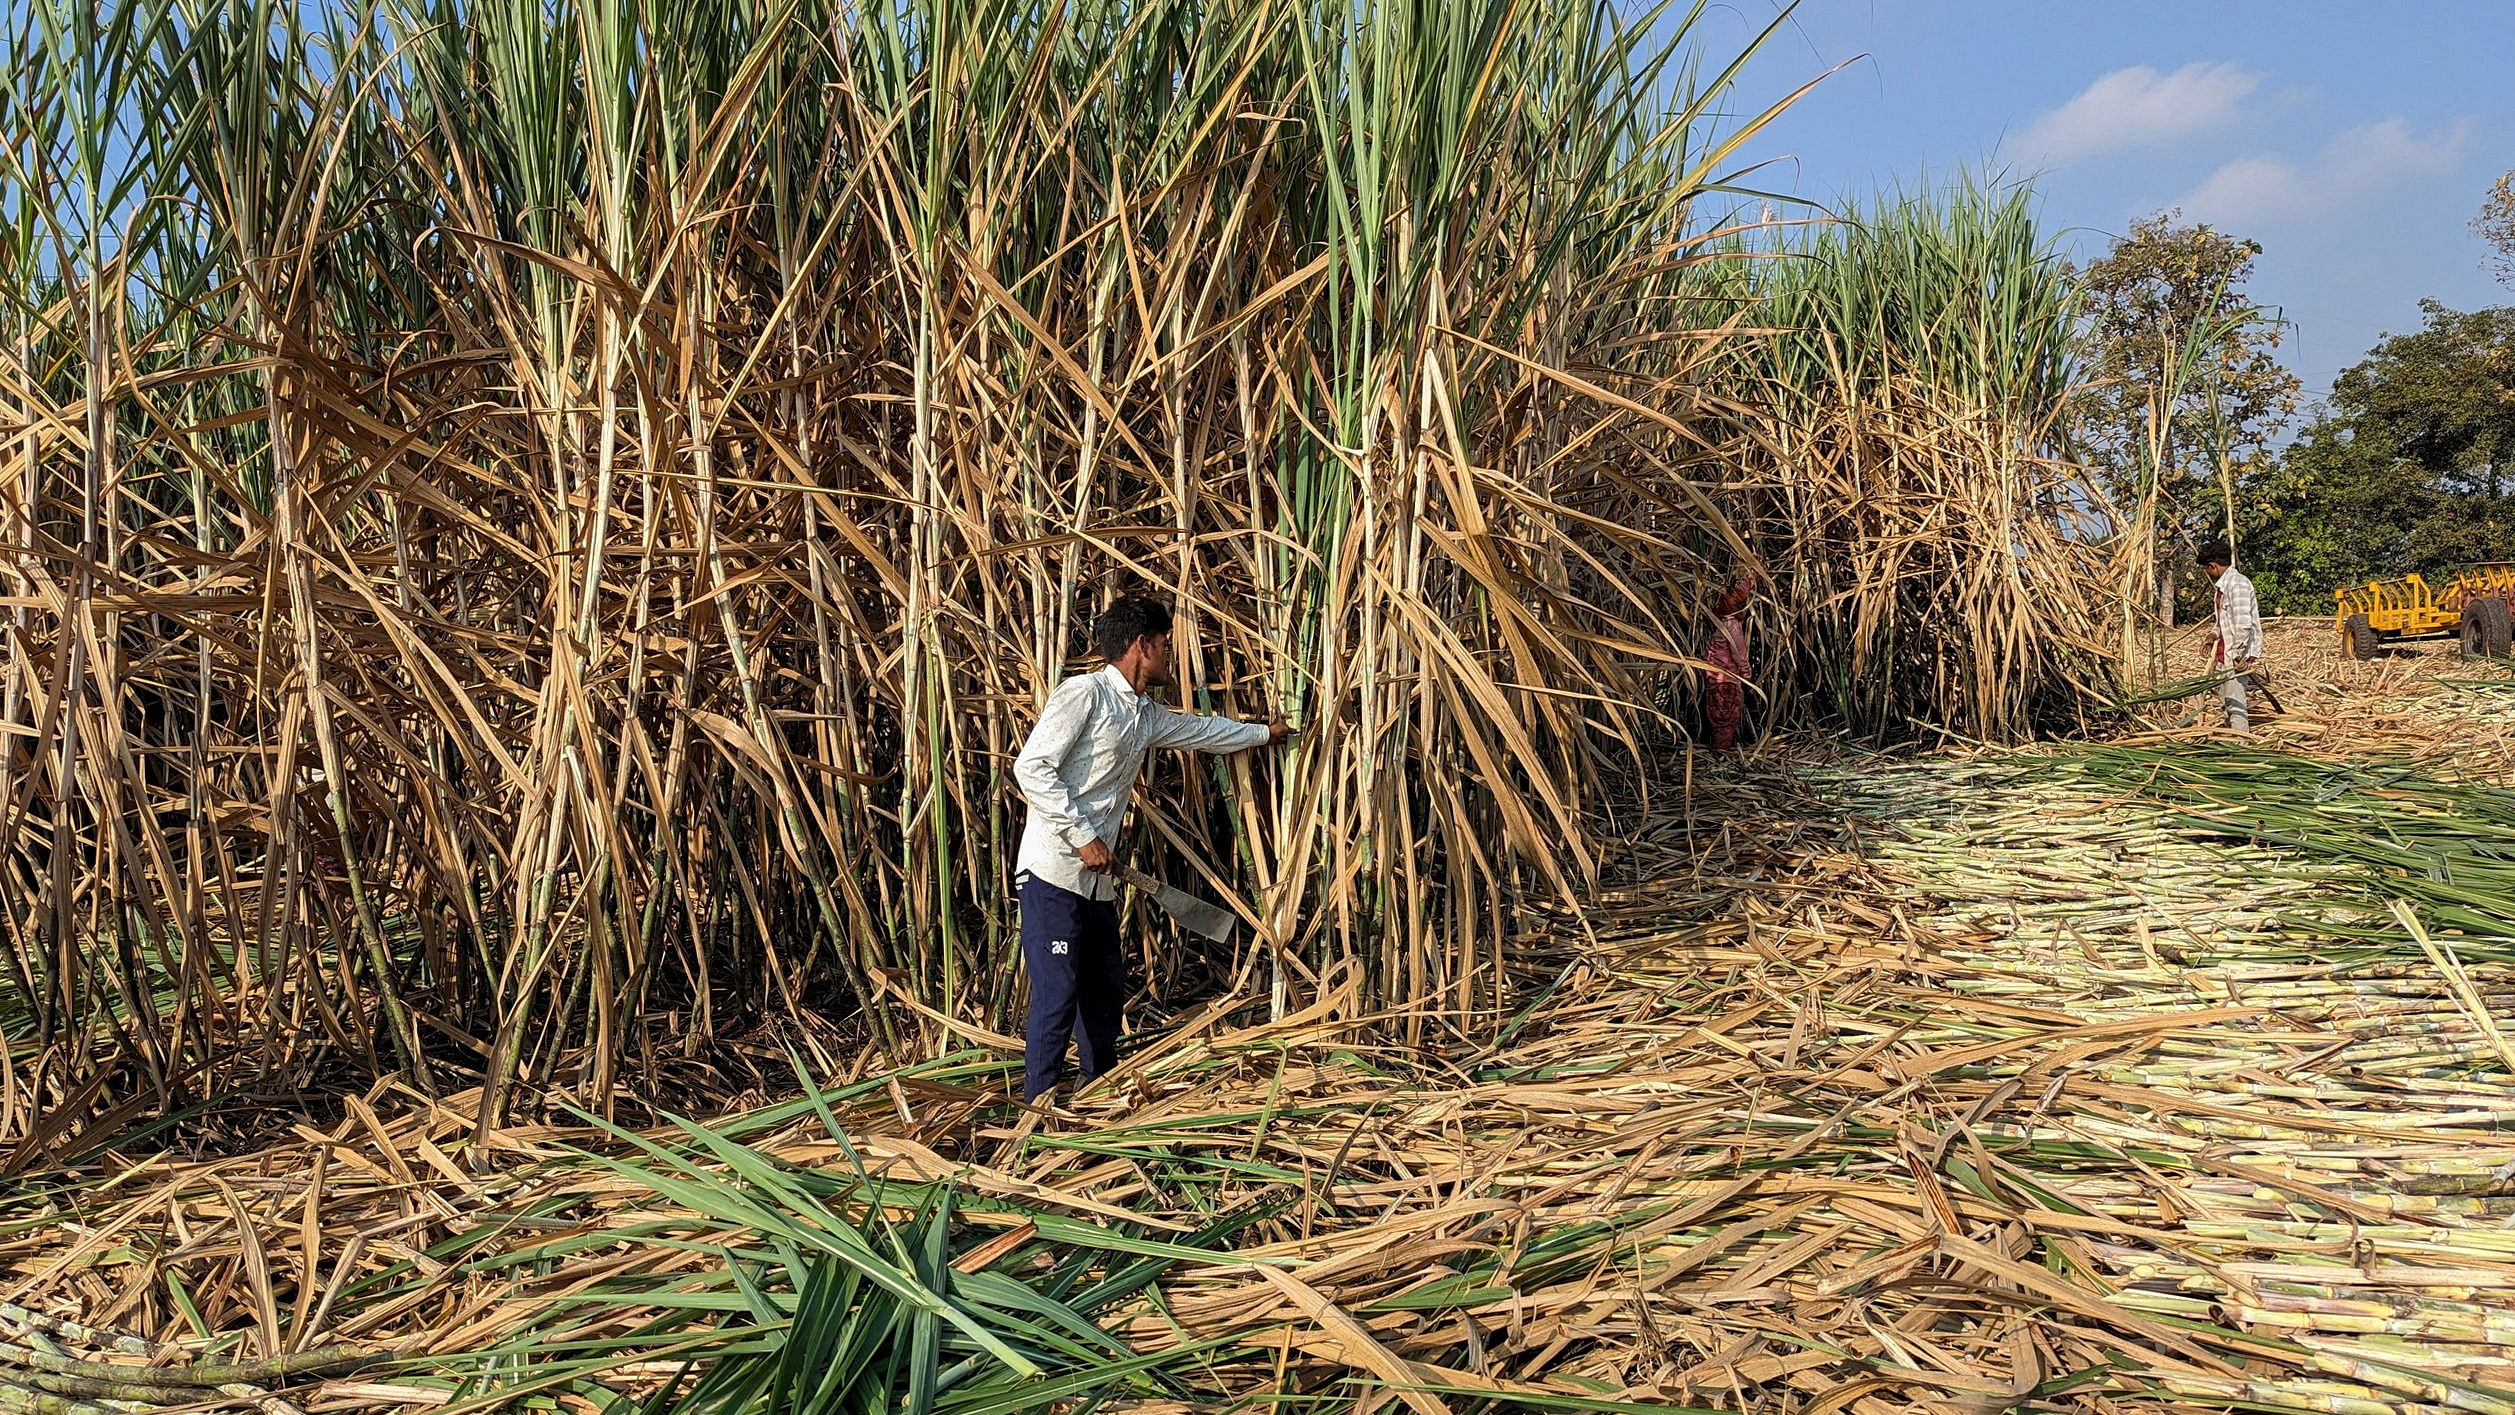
{"x":2134,"y":108}
{"x":2353,"y":168}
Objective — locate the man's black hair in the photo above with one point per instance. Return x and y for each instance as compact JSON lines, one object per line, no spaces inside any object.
{"x":2216,"y":553}
{"x":1132,"y":617}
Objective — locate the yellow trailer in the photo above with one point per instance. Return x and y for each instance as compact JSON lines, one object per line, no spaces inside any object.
{"x":2472,"y":603}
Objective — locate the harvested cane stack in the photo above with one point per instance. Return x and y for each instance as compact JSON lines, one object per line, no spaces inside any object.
{"x":41,"y":1373}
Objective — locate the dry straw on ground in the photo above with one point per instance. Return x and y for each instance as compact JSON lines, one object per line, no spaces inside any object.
{"x":2014,"y":1082}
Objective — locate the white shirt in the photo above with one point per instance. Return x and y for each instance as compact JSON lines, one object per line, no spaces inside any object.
{"x":2239,"y":619}
{"x":1079,"y":766}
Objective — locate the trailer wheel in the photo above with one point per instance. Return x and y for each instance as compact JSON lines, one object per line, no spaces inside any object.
{"x":2489,"y":617}
{"x":2359,"y":639}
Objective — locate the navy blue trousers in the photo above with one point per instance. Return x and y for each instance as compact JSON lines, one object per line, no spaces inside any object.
{"x":1077,"y":983}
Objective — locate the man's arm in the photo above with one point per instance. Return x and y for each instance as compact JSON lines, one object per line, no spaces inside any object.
{"x":1038,"y":769}
{"x":1197,"y":732}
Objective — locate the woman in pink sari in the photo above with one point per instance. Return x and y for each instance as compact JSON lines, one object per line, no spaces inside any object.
{"x":1727,"y":654}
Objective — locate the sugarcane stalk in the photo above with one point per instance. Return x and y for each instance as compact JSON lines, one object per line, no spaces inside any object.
{"x":295,"y":1365}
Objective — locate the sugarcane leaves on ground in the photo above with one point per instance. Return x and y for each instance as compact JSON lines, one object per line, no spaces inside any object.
{"x":2326,"y":846}
{"x":2396,"y":828}
{"x":1943,"y":1083}
{"x":2489,"y":697}
{"x":825,"y":1289}
{"x":2174,"y":691}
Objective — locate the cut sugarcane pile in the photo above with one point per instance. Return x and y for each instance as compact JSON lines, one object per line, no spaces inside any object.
{"x":2361,"y":1129}
{"x":2014,"y":1083}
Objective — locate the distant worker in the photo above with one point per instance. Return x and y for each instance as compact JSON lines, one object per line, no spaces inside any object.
{"x":2237,"y":648}
{"x":1727,"y":654}
{"x":1077,"y":772}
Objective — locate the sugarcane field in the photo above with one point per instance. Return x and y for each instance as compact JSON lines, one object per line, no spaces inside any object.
{"x":787,"y":707}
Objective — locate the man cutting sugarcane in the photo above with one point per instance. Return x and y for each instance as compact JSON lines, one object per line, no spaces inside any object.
{"x":2239,"y":631}
{"x":1077,"y":771}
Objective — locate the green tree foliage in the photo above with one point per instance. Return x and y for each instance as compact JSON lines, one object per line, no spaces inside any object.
{"x":2185,"y":389}
{"x":2411,"y":467}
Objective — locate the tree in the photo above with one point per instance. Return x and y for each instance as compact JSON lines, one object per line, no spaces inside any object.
{"x":2412,"y":467}
{"x":2186,"y":393}
{"x":2444,"y":397}
{"x":2496,"y":225}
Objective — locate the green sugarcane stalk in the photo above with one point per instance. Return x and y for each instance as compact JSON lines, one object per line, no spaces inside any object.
{"x":41,"y":1402}
{"x":296,"y":1365}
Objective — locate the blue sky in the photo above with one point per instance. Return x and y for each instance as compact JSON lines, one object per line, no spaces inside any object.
{"x":2354,"y":141}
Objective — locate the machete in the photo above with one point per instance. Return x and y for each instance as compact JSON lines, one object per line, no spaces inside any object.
{"x":1211,"y":920}
{"x":2262,"y":681}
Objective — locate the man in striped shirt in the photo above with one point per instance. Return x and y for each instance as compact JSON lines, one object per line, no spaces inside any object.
{"x":2239,"y":636}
